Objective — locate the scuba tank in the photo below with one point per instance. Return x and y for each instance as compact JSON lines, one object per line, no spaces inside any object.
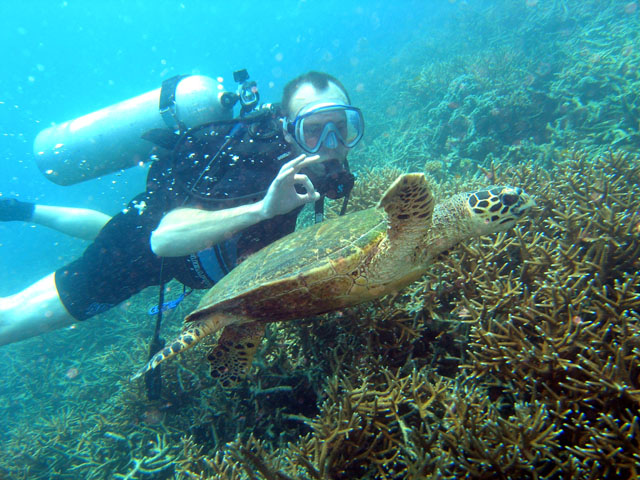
{"x":112,"y":139}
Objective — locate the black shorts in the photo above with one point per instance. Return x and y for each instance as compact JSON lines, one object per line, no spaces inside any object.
{"x":119,"y":263}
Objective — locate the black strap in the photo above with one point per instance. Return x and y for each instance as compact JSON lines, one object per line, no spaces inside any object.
{"x":167,"y":104}
{"x":221,"y":262}
{"x":153,"y":378}
{"x":319,"y":210}
{"x":343,"y":209}
{"x":347,"y":195}
{"x":319,"y":207}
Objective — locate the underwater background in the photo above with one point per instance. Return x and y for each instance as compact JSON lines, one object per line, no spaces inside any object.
{"x":516,"y":356}
{"x":66,"y":59}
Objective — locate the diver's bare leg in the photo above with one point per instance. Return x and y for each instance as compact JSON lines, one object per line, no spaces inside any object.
{"x":76,"y":222}
{"x":35,"y":310}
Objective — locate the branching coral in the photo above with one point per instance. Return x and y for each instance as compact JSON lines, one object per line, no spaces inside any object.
{"x":544,"y":320}
{"x":390,"y":425}
{"x":369,"y":187}
{"x":563,"y":323}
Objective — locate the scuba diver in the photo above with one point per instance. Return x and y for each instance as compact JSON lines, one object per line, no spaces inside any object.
{"x":218,"y":193}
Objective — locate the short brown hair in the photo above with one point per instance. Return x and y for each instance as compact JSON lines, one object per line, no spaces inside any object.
{"x":319,"y":80}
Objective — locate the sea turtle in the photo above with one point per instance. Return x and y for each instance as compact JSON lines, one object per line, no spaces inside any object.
{"x":338,"y":263}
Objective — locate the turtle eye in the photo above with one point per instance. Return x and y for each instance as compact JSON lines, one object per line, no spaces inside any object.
{"x":509,"y":199}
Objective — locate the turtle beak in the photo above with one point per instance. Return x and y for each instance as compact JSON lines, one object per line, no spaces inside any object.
{"x":517,"y":200}
{"x":525,"y":203}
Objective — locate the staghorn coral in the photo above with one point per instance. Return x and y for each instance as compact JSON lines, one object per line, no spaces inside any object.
{"x":390,"y":425}
{"x":491,"y":90}
{"x":560,"y":325}
{"x":544,"y":322}
{"x":369,"y":187}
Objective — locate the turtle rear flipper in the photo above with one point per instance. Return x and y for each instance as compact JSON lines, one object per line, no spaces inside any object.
{"x":193,"y":332}
{"x":231,"y":358}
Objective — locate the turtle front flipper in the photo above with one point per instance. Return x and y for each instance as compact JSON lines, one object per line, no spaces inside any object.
{"x":231,"y":358}
{"x":192,"y":333}
{"x":409,"y":205}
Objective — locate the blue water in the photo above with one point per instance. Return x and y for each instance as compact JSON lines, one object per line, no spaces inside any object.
{"x":539,"y":93}
{"x":63,"y":59}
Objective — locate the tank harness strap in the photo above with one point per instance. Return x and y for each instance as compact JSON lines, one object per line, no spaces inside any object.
{"x":221,"y":262}
{"x":319,"y":210}
{"x":167,"y":104}
{"x":153,"y":378}
{"x":345,"y":202}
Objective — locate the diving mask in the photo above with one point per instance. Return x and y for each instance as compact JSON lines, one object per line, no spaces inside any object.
{"x":325,"y":123}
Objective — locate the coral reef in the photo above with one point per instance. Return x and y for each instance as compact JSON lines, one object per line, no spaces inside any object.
{"x":563,"y":327}
{"x":543,"y":325}
{"x":516,"y":356}
{"x":554,"y":73}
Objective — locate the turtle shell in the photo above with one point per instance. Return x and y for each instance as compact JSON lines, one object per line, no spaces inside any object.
{"x":310,"y":271}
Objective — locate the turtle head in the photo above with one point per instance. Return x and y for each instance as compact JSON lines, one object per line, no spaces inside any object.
{"x":497,"y":208}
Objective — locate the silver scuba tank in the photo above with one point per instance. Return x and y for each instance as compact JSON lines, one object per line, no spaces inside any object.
{"x":111,"y":139}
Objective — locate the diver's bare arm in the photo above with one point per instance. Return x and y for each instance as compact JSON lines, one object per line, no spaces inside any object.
{"x":188,"y":230}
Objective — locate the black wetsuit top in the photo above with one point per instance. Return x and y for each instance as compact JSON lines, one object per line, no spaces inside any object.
{"x":120,"y":263}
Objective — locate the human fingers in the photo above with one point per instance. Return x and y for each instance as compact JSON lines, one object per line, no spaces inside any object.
{"x":294,"y":166}
{"x":308,"y":186}
{"x":293,"y":163}
{"x":307,"y":161}
{"x":299,"y":162}
{"x":290,"y":168}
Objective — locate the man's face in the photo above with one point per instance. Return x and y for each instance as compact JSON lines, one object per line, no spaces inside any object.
{"x":305,"y":95}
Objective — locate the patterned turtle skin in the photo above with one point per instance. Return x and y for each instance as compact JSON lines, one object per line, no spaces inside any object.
{"x":339,"y":263}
